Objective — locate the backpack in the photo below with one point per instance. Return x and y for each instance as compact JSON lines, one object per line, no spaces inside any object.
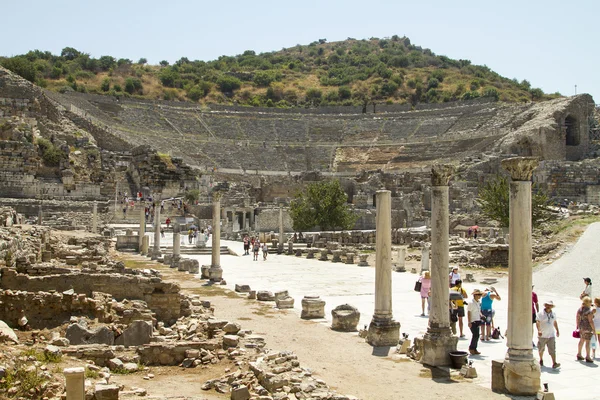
{"x":496,"y":334}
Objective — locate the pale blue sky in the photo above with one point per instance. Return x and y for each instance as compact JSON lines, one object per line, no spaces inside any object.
{"x":551,"y":43}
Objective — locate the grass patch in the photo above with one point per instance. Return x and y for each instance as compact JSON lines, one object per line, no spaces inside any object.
{"x":135,"y":264}
{"x":25,"y":379}
{"x":42,"y":356}
{"x":574,"y":223}
{"x":91,"y":374}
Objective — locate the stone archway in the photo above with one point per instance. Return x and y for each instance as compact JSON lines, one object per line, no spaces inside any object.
{"x":572,"y":137}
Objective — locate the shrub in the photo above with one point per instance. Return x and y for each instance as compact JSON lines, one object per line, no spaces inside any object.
{"x":133,"y":85}
{"x":432,"y":83}
{"x":227,"y":83}
{"x":105,"y":85}
{"x":491,"y":92}
{"x":117,"y":87}
{"x":344,"y":92}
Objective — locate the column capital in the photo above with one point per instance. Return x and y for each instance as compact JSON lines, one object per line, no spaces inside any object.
{"x":441,"y":174}
{"x":520,"y":168}
{"x":217,"y":196}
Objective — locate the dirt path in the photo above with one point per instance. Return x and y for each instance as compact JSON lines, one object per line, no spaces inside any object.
{"x":343,"y":360}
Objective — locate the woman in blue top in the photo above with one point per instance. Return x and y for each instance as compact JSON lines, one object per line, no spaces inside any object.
{"x":486,"y":309}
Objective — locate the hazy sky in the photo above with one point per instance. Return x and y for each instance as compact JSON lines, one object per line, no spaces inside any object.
{"x":551,"y":43}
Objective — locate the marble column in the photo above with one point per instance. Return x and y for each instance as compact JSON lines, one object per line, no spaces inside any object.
{"x":142,"y":226}
{"x":156,"y":250}
{"x":75,"y":383}
{"x":281,"y":233}
{"x":215,"y":272}
{"x":383,"y":330}
{"x":438,"y":341}
{"x":176,"y":250}
{"x":40,"y":219}
{"x":425,"y":258}
{"x":243,"y":220}
{"x":400,"y":265}
{"x":521,"y":370}
{"x":95,"y":217}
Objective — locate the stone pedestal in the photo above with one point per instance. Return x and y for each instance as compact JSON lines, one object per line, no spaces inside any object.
{"x":95,"y":217}
{"x":400,"y":264}
{"x":290,"y":249}
{"x":298,"y":252}
{"x":337,"y":256}
{"x":521,"y":370}
{"x":383,"y":330}
{"x":284,"y":302}
{"x":194,"y":267}
{"x":215,"y":273}
{"x":363,"y":260}
{"x":75,"y":382}
{"x":204,"y":271}
{"x":324,"y":255}
{"x":425,"y":258}
{"x":311,"y":253}
{"x":40,"y":215}
{"x":345,"y":318}
{"x":312,"y":307}
{"x":350,"y":258}
{"x":438,"y":341}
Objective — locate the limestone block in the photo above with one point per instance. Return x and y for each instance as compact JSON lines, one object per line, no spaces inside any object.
{"x":240,"y":392}
{"x":78,"y":334}
{"x":345,"y":318}
{"x":75,"y":383}
{"x":232,"y":327}
{"x":498,"y":384}
{"x":230,"y":341}
{"x":114,"y":364}
{"x":284,"y":302}
{"x":106,"y":392}
{"x":522,"y":377}
{"x":168,"y":259}
{"x":252,"y":294}
{"x":204,"y":272}
{"x":136,"y":334}
{"x":52,"y":351}
{"x":312,"y":307}
{"x":242,"y":288}
{"x":194,"y":267}
{"x":363,"y":260}
{"x":265,"y":295}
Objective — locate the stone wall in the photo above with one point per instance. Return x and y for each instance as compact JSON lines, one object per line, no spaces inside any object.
{"x":49,"y":310}
{"x":574,"y":181}
{"x":162,"y":298}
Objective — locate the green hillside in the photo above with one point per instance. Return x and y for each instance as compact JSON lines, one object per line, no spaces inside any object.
{"x":350,"y":72}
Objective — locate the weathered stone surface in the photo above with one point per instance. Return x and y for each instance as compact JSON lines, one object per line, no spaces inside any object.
{"x":242,"y":288}
{"x":232,"y":327}
{"x":240,"y":393}
{"x":230,"y":341}
{"x":106,"y":392}
{"x":6,"y":333}
{"x":265,"y":295}
{"x":312,"y":307}
{"x":136,"y":334}
{"x":114,"y":364}
{"x":345,"y":318}
{"x":78,"y":334}
{"x":285,"y":302}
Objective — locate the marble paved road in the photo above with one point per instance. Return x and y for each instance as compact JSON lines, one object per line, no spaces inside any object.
{"x":339,"y":283}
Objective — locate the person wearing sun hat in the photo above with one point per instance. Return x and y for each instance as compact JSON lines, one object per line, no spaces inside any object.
{"x":474,"y":319}
{"x":546,"y":325}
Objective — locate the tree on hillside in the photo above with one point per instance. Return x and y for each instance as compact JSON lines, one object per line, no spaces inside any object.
{"x":493,"y":198}
{"x":322,"y":204}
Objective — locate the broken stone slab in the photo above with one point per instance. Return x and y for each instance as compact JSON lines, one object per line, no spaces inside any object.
{"x":345,"y":318}
{"x":114,"y":364}
{"x":281,"y":294}
{"x":312,"y":307}
{"x":232,"y":327}
{"x":240,"y":392}
{"x":265,"y":295}
{"x":242,"y":288}
{"x":230,"y":341}
{"x":78,"y":334}
{"x":52,"y":351}
{"x":136,"y":334}
{"x":6,"y":333}
{"x":106,"y":392}
{"x":252,"y":294}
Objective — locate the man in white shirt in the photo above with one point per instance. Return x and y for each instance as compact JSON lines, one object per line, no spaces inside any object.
{"x":454,"y":276}
{"x":474,"y":319}
{"x":546,"y":324}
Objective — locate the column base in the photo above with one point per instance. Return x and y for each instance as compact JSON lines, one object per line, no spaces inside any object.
{"x":383,"y":332}
{"x":215,"y":273}
{"x":156,"y":254}
{"x":521,"y":373}
{"x":437,"y":343}
{"x":204,"y":272}
{"x":175,"y":261}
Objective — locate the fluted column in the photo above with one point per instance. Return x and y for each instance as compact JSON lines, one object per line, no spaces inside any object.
{"x":215,"y":272}
{"x":142,"y":226}
{"x":383,"y":330}
{"x":438,"y":341}
{"x":521,"y":371}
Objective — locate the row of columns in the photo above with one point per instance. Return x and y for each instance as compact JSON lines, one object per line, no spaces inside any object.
{"x":521,"y":372}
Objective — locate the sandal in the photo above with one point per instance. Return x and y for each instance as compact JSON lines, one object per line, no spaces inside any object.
{"x":579,"y":358}
{"x":589,"y":360}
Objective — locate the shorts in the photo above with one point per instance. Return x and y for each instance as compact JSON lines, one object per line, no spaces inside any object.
{"x":550,"y":342}
{"x":460,"y":311}
{"x":246,"y":247}
{"x":488,"y":314}
{"x":533,"y":318}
